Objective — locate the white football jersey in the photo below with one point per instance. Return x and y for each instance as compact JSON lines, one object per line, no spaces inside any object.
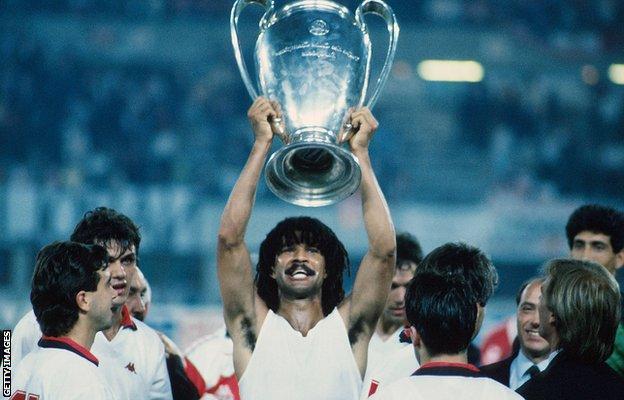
{"x":388,"y":360}
{"x":135,"y":358}
{"x":446,"y":381}
{"x":60,"y":369}
{"x":212,"y":357}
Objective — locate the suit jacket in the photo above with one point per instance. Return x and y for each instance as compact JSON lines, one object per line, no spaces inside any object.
{"x":499,"y":371}
{"x":567,"y":379}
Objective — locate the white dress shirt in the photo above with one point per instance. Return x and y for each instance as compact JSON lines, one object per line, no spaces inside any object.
{"x":518,"y":371}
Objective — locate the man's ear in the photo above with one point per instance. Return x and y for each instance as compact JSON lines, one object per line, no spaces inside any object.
{"x":416,"y":340}
{"x":479,"y":321}
{"x":83,"y":300}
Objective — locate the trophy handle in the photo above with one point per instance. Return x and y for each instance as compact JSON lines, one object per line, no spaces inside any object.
{"x":237,"y":9}
{"x":384,"y":11}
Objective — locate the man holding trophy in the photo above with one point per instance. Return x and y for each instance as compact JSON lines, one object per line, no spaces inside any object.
{"x":295,"y":335}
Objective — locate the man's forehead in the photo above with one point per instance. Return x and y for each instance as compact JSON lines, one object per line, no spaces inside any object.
{"x":593,"y":236}
{"x":116,"y":250}
{"x":531,"y":293}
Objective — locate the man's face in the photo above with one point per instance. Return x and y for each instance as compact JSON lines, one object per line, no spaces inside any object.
{"x":122,"y":267}
{"x":102,"y":302}
{"x":394,"y":311}
{"x":546,"y":318}
{"x":299,"y":271}
{"x":136,"y":296}
{"x":528,"y":319}
{"x":596,"y":247}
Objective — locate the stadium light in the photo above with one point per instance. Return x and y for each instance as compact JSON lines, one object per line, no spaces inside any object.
{"x":451,"y":71}
{"x":616,"y":73}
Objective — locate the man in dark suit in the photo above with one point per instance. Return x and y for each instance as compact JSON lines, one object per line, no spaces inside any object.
{"x":532,"y":352}
{"x":579,"y":313}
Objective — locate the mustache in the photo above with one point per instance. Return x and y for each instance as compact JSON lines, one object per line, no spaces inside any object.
{"x":301,"y":267}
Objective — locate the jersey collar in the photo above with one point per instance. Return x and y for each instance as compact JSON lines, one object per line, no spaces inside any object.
{"x":448,"y":369}
{"x":126,"y":319}
{"x":66,"y":343}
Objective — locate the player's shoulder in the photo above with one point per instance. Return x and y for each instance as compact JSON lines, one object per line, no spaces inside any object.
{"x":146,"y":332}
{"x":27,"y":323}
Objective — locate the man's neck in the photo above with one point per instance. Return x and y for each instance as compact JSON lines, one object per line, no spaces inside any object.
{"x":301,"y":314}
{"x":385,"y":328}
{"x":83,"y":334}
{"x":111,"y":332}
{"x":535,"y":359}
{"x":445,"y":358}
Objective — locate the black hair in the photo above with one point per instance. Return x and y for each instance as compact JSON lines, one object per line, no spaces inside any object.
{"x":598,"y":219}
{"x":63,"y":269}
{"x":466,"y":261}
{"x":442,"y":311}
{"x":408,"y":250}
{"x":310,"y":231}
{"x":107,"y":227}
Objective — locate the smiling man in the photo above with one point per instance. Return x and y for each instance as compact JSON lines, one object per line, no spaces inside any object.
{"x":295,"y":335}
{"x":534,"y":353}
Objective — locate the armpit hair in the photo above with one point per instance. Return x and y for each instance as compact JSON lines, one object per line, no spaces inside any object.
{"x":249,"y":332}
{"x":356,"y":330}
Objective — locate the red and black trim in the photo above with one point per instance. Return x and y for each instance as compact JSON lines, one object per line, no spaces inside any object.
{"x":66,"y":343}
{"x":448,"y":369}
{"x":126,"y":319}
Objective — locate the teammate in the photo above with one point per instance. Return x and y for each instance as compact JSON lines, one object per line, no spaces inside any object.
{"x":72,"y":299}
{"x":534,"y":353}
{"x":388,"y":357}
{"x":139,"y":296}
{"x":295,"y":335}
{"x":443,"y":317}
{"x":596,"y":233}
{"x":579,"y":312}
{"x":132,"y":353}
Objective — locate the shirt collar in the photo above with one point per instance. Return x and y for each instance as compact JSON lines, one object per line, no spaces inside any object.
{"x":126,"y":319}
{"x":448,"y":369}
{"x":66,"y":343}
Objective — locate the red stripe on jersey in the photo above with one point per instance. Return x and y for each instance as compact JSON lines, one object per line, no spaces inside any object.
{"x":68,"y":344}
{"x":373,"y":388}
{"x":195,"y":377}
{"x":126,"y":320}
{"x":439,"y":364}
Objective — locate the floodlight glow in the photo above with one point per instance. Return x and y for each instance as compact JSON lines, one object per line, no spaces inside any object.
{"x":616,"y":73}
{"x":450,"y":71}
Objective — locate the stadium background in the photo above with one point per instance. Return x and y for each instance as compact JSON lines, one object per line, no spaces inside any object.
{"x":139,"y":106}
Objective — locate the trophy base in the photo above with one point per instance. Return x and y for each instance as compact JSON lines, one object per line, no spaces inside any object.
{"x":312,"y":171}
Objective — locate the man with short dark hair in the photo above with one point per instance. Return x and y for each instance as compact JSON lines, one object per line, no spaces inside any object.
{"x":72,"y":299}
{"x":443,"y":317}
{"x":295,"y":334}
{"x":596,"y":233}
{"x":388,"y":357}
{"x":579,"y":312}
{"x":533,"y":355}
{"x":132,"y":354}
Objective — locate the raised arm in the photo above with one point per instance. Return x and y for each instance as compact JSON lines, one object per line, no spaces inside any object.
{"x":374,"y":276}
{"x":241,"y":306}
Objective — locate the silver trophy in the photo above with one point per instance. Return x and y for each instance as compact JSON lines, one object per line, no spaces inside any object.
{"x":313,"y":58}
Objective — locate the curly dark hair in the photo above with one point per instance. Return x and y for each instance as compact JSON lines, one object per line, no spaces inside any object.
{"x":63,"y":269}
{"x":598,"y":219}
{"x":106,"y":226}
{"x":312,"y":232}
{"x":408,"y":250}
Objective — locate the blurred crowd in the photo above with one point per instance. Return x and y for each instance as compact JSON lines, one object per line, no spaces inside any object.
{"x":129,"y":122}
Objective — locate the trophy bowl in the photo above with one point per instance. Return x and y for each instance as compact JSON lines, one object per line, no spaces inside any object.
{"x":313,"y":58}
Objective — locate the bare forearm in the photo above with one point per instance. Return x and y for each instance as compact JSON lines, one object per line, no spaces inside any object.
{"x":240,"y":203}
{"x":377,"y":220}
